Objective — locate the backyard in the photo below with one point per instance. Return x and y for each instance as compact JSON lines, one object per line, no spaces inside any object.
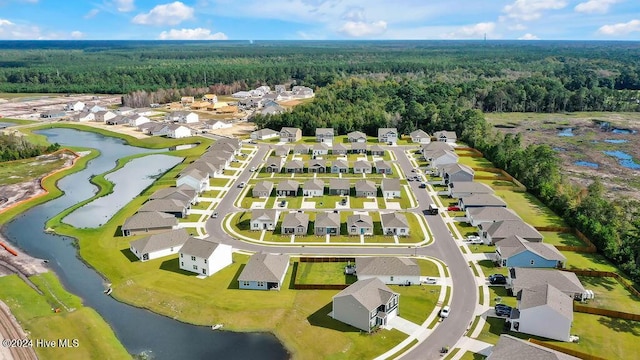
{"x":323,"y":273}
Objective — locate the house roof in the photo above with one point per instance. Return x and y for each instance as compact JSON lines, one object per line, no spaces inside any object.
{"x":394,"y":220}
{"x":490,"y":214}
{"x":313,"y":184}
{"x":317,"y":163}
{"x":295,"y":219}
{"x":514,"y":245}
{"x":274,"y":161}
{"x":339,"y":146}
{"x":358,"y":146}
{"x":263,"y":132}
{"x":327,"y":219}
{"x":365,"y":185}
{"x":294,"y":164}
{"x":381,"y":164}
{"x":446,"y":134}
{"x":546,"y":295}
{"x":281,"y":150}
{"x":438,"y":153}
{"x":204,"y":166}
{"x":369,"y":293}
{"x":194,"y":173}
{"x":234,"y":142}
{"x":301,"y":148}
{"x":360,"y":221}
{"x":362,"y":164}
{"x":390,"y":185}
{"x":288,"y":185}
{"x":471,"y":187}
{"x":383,"y":265}
{"x":174,"y":127}
{"x":290,"y":130}
{"x":161,"y":241}
{"x":376,"y":148}
{"x":456,"y":168}
{"x":321,"y":146}
{"x":437,"y":145}
{"x":339,"y":184}
{"x":356,"y":135}
{"x":183,"y":192}
{"x":483,"y":200}
{"x":510,"y":348}
{"x":324,"y":131}
{"x":163,"y":205}
{"x":505,"y":228}
{"x":263,"y":214}
{"x":419,"y":134}
{"x":265,"y":267}
{"x":263,"y":186}
{"x":149,"y":220}
{"x":565,"y":281}
{"x":199,"y":248}
{"x":383,"y":131}
{"x":340,"y":164}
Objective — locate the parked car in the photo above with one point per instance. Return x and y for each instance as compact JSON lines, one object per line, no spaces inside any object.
{"x":242,"y":184}
{"x":453,"y":208}
{"x":444,"y":312}
{"x":503,"y":310}
{"x":282,"y":203}
{"x":473,"y":239}
{"x":214,"y":215}
{"x":430,"y":280}
{"x":343,"y":202}
{"x":497,"y":279}
{"x":409,"y":178}
{"x":423,"y":186}
{"x":253,"y":168}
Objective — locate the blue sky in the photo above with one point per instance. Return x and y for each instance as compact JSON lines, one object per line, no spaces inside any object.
{"x":320,"y":19}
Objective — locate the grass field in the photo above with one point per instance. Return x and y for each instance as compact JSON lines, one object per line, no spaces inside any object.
{"x":610,"y":294}
{"x":218,"y":181}
{"x":530,"y":208}
{"x":26,"y":170}
{"x":417,"y":302}
{"x":586,"y":261}
{"x":565,"y":239}
{"x":323,"y":273}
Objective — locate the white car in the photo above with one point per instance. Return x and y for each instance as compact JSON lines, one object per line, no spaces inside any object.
{"x":444,"y":312}
{"x":473,"y":239}
{"x":242,"y":184}
{"x":253,"y":168}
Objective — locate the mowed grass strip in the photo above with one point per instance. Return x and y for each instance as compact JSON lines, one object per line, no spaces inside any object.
{"x":532,"y":211}
{"x":417,"y":301}
{"x":323,"y":273}
{"x":610,"y":295}
{"x":562,"y":239}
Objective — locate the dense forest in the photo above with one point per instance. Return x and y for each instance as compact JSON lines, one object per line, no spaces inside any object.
{"x":17,"y":147}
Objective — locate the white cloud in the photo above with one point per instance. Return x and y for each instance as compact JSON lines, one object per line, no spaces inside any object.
{"x":91,"y":13}
{"x":476,"y":31}
{"x":595,"y":6}
{"x":124,"y":5}
{"x":167,"y":14}
{"x":191,"y":34}
{"x":527,"y":10}
{"x":361,"y":28}
{"x":528,"y":36}
{"x":5,"y":22}
{"x":77,"y":34}
{"x":621,"y":28}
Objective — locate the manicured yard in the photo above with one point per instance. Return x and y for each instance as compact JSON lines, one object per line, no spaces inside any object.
{"x":417,"y":302}
{"x":530,"y":209}
{"x":481,"y":248}
{"x":190,"y":218}
{"x":404,"y":200}
{"x":499,"y":294}
{"x":465,"y":228}
{"x":427,"y":268}
{"x":241,"y":223}
{"x":496,"y":183}
{"x":416,"y":234}
{"x":472,"y":356}
{"x":488,"y":268}
{"x":558,"y":238}
{"x":218,"y":181}
{"x":202,"y":205}
{"x":586,"y":261}
{"x":210,"y":193}
{"x":293,"y":202}
{"x":323,"y":273}
{"x":475,"y":162}
{"x":610,"y":294}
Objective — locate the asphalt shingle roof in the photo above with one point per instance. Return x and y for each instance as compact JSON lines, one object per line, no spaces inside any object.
{"x":265,"y":267}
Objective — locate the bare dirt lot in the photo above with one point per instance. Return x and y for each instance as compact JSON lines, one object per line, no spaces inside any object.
{"x":22,"y":107}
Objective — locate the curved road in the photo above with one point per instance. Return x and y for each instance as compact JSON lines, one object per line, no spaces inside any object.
{"x":463,"y":298}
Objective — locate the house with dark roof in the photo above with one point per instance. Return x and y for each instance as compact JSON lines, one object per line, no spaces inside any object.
{"x":262,"y":189}
{"x":317,"y":166}
{"x":525,"y":278}
{"x":383,"y":167}
{"x":273,"y":164}
{"x":159,"y":245}
{"x":462,"y":189}
{"x":394,"y":223}
{"x":390,"y":188}
{"x":362,"y":167}
{"x":324,"y":135}
{"x":431,"y":147}
{"x":480,"y":200}
{"x":327,"y":223}
{"x":290,"y":134}
{"x":357,"y":137}
{"x":388,"y":135}
{"x":177,"y":208}
{"x":446,"y":136}
{"x":389,"y":270}
{"x":339,"y":186}
{"x":339,"y":166}
{"x":479,"y":215}
{"x":313,"y":187}
{"x":514,"y":251}
{"x":294,"y":166}
{"x":295,"y":223}
{"x":420,"y":137}
{"x":182,"y":193}
{"x":263,"y":219}
{"x":492,"y":233}
{"x":339,"y":149}
{"x":264,"y":272}
{"x":510,"y":348}
{"x":360,"y":225}
{"x":204,"y":257}
{"x":543,"y":311}
{"x":148,"y":223}
{"x":366,"y":304}
{"x":287,"y":188}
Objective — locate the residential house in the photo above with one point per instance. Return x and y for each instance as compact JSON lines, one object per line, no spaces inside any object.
{"x":360,"y":225}
{"x":154,"y":128}
{"x":313,"y":187}
{"x":327,"y":223}
{"x":358,"y":148}
{"x":273,"y":164}
{"x":218,"y":124}
{"x":279,"y":89}
{"x":462,"y":189}
{"x":510,"y":348}
{"x":264,"y":134}
{"x":195,"y":179}
{"x":137,"y":120}
{"x":376,"y":150}
{"x":383,"y":167}
{"x":479,"y":215}
{"x":320,"y":149}
{"x":302,"y":92}
{"x":118,"y":120}
{"x":263,"y":219}
{"x":177,"y":208}
{"x":264,"y":272}
{"x":441,"y":157}
{"x":339,"y":166}
{"x":366,"y":188}
{"x":294,"y":166}
{"x":262,"y":189}
{"x":124,"y":110}
{"x":148,"y":223}
{"x":281,"y":150}
{"x":324,"y":135}
{"x":543,"y":311}
{"x":287,"y":188}
{"x":390,"y":188}
{"x":295,"y":223}
{"x":290,"y":134}
{"x":514,"y":251}
{"x":362,"y":167}
{"x":456,"y":173}
{"x":480,"y":200}
{"x":446,"y":136}
{"x":390,"y":270}
{"x":420,"y":137}
{"x":187,"y":100}
{"x":339,"y":149}
{"x":433,"y":146}
{"x":240,"y":94}
{"x":394,"y":224}
{"x":74,"y":106}
{"x":103,"y":116}
{"x":206,"y":167}
{"x":366,"y":304}
{"x":234,"y":144}
{"x":339,"y":187}
{"x":301,"y":149}
{"x":95,"y":108}
{"x":205,"y":257}
{"x":210,"y":98}
{"x":182,"y":117}
{"x":177,"y":131}
{"x":318,"y":166}
{"x":357,"y":137}
{"x":526,"y":278}
{"x":182,"y":193}
{"x":159,"y":245}
{"x":84,"y":116}
{"x":51,"y":114}
{"x":492,"y":233}
{"x":388,"y":135}
{"x":272,"y":109}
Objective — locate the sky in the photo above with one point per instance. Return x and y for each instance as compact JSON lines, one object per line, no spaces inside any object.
{"x":319,"y":19}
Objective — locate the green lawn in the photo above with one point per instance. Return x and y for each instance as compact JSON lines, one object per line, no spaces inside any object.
{"x":472,"y":356}
{"x":610,"y":294}
{"x":417,"y":302}
{"x":202,"y":205}
{"x":241,"y":223}
{"x":323,"y":273}
{"x":427,"y":268}
{"x":480,"y":248}
{"x":404,"y":201}
{"x":557,"y":238}
{"x":190,"y":218}
{"x":218,"y":182}
{"x":488,"y":268}
{"x":465,"y":228}
{"x":416,"y":234}
{"x":13,"y":172}
{"x":530,"y":208}
{"x":498,"y":294}
{"x":210,"y":193}
{"x":587,"y":261}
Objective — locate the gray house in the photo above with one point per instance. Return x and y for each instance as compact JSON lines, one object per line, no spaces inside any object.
{"x":456,"y":173}
{"x":358,"y":148}
{"x":159,"y":245}
{"x":174,"y":207}
{"x":376,"y":150}
{"x":262,"y":189}
{"x":388,"y":269}
{"x":362,"y":167}
{"x":477,"y":216}
{"x":295,"y":223}
{"x":327,"y":223}
{"x":383,"y":167}
{"x":366,"y":188}
{"x":339,"y":149}
{"x":206,"y":167}
{"x":390,"y":188}
{"x":273,"y":164}
{"x":420,"y":137}
{"x":339,"y":187}
{"x":394,"y":224}
{"x":388,"y":135}
{"x":433,"y":146}
{"x":360,"y":225}
{"x":339,"y":166}
{"x":264,"y":272}
{"x":508,"y":345}
{"x":317,"y":166}
{"x":148,"y":223}
{"x":313,"y":187}
{"x":290,"y":134}
{"x":357,"y":137}
{"x":287,"y":188}
{"x":320,"y":149}
{"x":492,"y":233}
{"x":181,"y":193}
{"x":281,"y":150}
{"x":301,"y":149}
{"x":264,"y":134}
{"x":526,"y":278}
{"x":263,"y":219}
{"x":462,"y":189}
{"x":294,"y":166}
{"x":446,"y":136}
{"x":480,"y":200}
{"x":324,"y":135}
{"x":366,"y":304}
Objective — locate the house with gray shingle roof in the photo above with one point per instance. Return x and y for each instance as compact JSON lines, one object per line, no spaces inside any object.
{"x":339,"y":187}
{"x":290,"y":134}
{"x":510,"y":348}
{"x":425,"y":149}
{"x":514,"y":251}
{"x":173,"y":207}
{"x":543,"y":311}
{"x":320,"y":149}
{"x":479,"y":215}
{"x":273,"y":164}
{"x":204,"y":257}
{"x":338,"y":149}
{"x":358,"y":148}
{"x":317,"y":166}
{"x":388,"y":135}
{"x":446,"y":136}
{"x":492,"y":233}
{"x":264,"y":134}
{"x":394,"y":224}
{"x":524,"y":278}
{"x":324,"y":135}
{"x":301,"y":149}
{"x":287,"y":188}
{"x":195,"y":179}
{"x":313,"y":187}
{"x":159,"y":245}
{"x":182,"y":193}
{"x":281,"y":150}
{"x":462,"y":189}
{"x":264,"y":272}
{"x":296,"y":223}
{"x":206,"y":167}
{"x":441,"y":157}
{"x":376,"y":150}
{"x":357,"y":137}
{"x":420,"y":137}
{"x":480,"y":200}
{"x":148,"y":223}
{"x":390,"y":188}
{"x":389,"y":270}
{"x":366,"y":304}
{"x":362,"y":167}
{"x":262,"y":189}
{"x":366,"y":188}
{"x":383,"y":167}
{"x":294,"y":166}
{"x":455,"y":173}
{"x":327,"y":223}
{"x":360,"y":225}
{"x":263,"y":219}
{"x":339,"y":166}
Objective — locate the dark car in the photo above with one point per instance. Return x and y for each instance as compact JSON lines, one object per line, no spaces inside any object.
{"x":497,"y":279}
{"x":503,"y":310}
{"x":453,"y":208}
{"x":423,"y":186}
{"x":343,"y":202}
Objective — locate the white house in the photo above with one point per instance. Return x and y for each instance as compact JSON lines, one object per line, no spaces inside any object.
{"x":137,"y":120}
{"x":159,"y":245}
{"x":74,"y":106}
{"x":394,"y":224}
{"x":388,"y":135}
{"x":366,"y":304}
{"x":389,"y":270}
{"x":420,"y":137}
{"x":543,"y":311}
{"x":313,"y":187}
{"x":204,"y":257}
{"x":215,"y":125}
{"x":264,"y":272}
{"x":104,"y":116}
{"x":264,"y":134}
{"x":446,"y":136}
{"x":183,"y":117}
{"x":390,"y":188}
{"x":263,"y":219}
{"x":84,"y":116}
{"x":96,"y":108}
{"x":177,"y":131}
{"x":441,"y":157}
{"x":195,"y":179}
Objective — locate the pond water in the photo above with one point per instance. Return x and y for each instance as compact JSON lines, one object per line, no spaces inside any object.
{"x":139,"y":330}
{"x":623,"y":131}
{"x":624,"y":159}
{"x":616,"y":141}
{"x":129,"y":181}
{"x":559,"y":149}
{"x":566,"y":132}
{"x":587,"y":164}
{"x":5,"y":125}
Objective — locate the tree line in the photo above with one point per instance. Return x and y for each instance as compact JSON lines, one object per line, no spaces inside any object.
{"x":17,"y":147}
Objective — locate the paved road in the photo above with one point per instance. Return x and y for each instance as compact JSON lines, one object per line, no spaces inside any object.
{"x":464,"y":295}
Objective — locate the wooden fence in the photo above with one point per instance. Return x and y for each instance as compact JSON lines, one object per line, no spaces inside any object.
{"x":627,"y":285}
{"x":561,"y":349}
{"x":320,"y":286}
{"x":590,"y":248}
{"x":469,"y":152}
{"x":327,"y":259}
{"x":502,"y":176}
{"x":606,"y":312}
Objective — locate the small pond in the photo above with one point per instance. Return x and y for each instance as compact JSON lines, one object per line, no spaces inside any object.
{"x":566,"y":132}
{"x":5,"y":125}
{"x":129,"y":182}
{"x":587,"y":164}
{"x":624,"y":159}
{"x":616,"y":141}
{"x":559,"y":149}
{"x":623,"y":131}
